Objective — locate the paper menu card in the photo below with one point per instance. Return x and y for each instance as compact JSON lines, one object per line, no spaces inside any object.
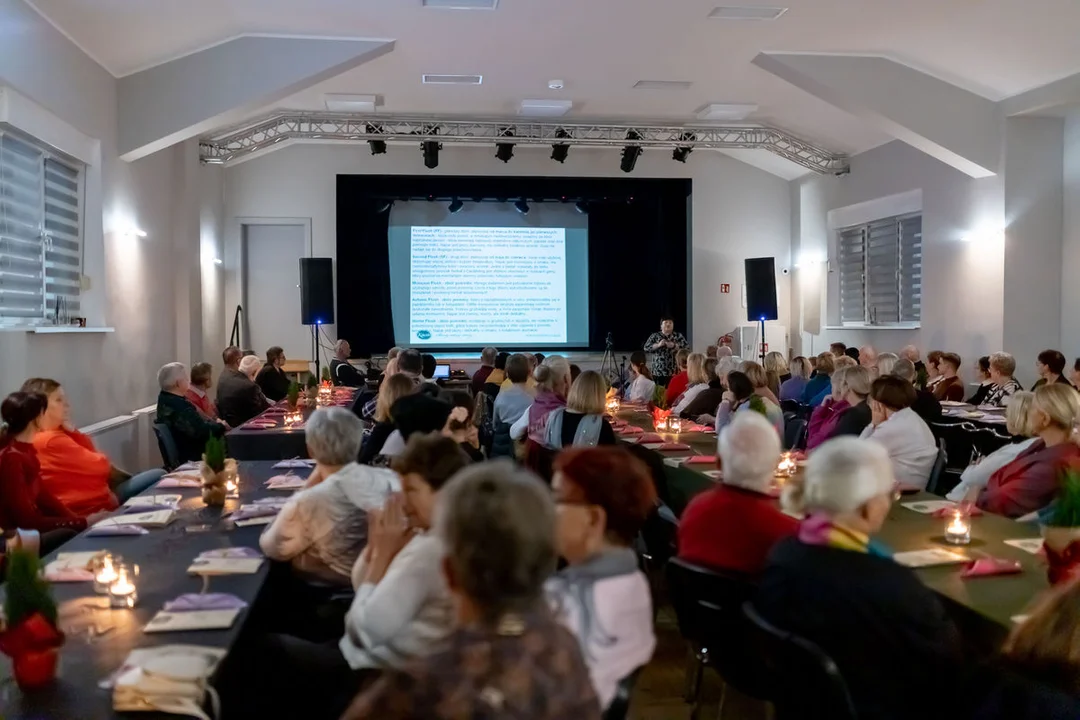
{"x":1029,"y":545}
{"x":265,"y":520}
{"x":76,"y":559}
{"x":141,"y":500}
{"x":294,"y":463}
{"x":179,"y":481}
{"x":196,"y":620}
{"x":929,"y":557}
{"x":158,"y":518}
{"x":286,"y":482}
{"x":928,"y":507}
{"x":225,"y":566}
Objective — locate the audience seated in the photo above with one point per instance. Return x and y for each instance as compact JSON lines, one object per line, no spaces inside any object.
{"x":511,"y":405}
{"x":72,"y":469}
{"x":392,"y":389}
{"x":341,"y":370}
{"x":910,"y":352}
{"x":1017,"y":422}
{"x":641,"y":387}
{"x":886,"y":363}
{"x":460,"y":426}
{"x":760,"y":379}
{"x":947,"y":384}
{"x":552,"y":385}
{"x":935,"y":373}
{"x":1002,"y":367}
{"x":926,"y":405}
{"x":271,"y":378}
{"x":25,"y":503}
{"x":734,"y":525}
{"x":838,"y":349}
{"x":323,"y":528}
{"x":238,"y":397}
{"x":886,"y":631}
{"x":189,"y":429}
{"x":1031,"y":481}
{"x":840,"y":362}
{"x":820,"y":382}
{"x":1074,"y":376}
{"x":846,"y":412}
{"x":698,"y":381}
{"x":487,"y":365}
{"x":680,"y":380}
{"x":1045,"y":647}
{"x":427,"y":368}
{"x":582,"y":422}
{"x":793,"y":387}
{"x":866,"y":356}
{"x":198,"y":394}
{"x":1051,"y":368}
{"x":706,"y":401}
{"x":741,"y":397}
{"x":509,"y":655}
{"x":904,"y":435}
{"x":418,"y":412}
{"x":498,"y":375}
{"x":982,"y":374}
{"x":776,"y":363}
{"x":602,"y":499}
{"x":533,"y":364}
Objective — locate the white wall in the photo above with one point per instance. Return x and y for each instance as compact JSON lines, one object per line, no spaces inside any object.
{"x":738,"y":211}
{"x":133,"y":281}
{"x":1070,"y":288}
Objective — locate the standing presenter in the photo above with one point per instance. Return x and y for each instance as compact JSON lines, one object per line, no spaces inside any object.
{"x":662,"y":347}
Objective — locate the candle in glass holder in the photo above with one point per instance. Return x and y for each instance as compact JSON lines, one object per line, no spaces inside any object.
{"x":787,"y":466}
{"x":675,"y":424}
{"x":613,"y":406}
{"x":105,"y":574}
{"x":958,"y":530}
{"x":232,"y":487}
{"x":122,"y":593}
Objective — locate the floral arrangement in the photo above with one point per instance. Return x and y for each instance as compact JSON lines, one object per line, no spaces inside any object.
{"x":216,"y":471}
{"x":659,"y":397}
{"x":31,"y":637}
{"x":292,"y":396}
{"x":326,"y":374}
{"x":1061,"y":528}
{"x":660,"y":417}
{"x":312,"y":382}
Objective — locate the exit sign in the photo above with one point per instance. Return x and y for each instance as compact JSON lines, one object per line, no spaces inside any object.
{"x":725,"y":289}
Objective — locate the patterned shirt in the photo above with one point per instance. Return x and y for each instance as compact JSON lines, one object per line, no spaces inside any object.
{"x":529,"y":668}
{"x":662,"y":360}
{"x":1000,"y":394}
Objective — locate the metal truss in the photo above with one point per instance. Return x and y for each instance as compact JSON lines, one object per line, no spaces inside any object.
{"x":236,"y":143}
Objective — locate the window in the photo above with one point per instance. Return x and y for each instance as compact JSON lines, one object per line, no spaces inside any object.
{"x":880,"y":265}
{"x":40,"y":233}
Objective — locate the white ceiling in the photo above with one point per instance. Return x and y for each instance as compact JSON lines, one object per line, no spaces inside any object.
{"x":600,"y":48}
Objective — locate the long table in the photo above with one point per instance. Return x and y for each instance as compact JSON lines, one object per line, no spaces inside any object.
{"x":983,"y":607}
{"x":99,"y":639}
{"x":281,"y":442}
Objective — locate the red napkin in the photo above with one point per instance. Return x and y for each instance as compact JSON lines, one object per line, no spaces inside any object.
{"x":698,"y":428}
{"x":631,"y":430}
{"x":700,"y":459}
{"x":949,"y":512}
{"x":649,"y":439}
{"x":984,"y":567}
{"x":674,"y":446}
{"x":618,"y":424}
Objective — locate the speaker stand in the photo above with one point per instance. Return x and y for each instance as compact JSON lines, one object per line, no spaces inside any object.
{"x":315,"y":347}
{"x":761,"y":344}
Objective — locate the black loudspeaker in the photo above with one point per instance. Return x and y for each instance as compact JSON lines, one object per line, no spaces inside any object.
{"x":316,"y":291}
{"x":761,"y":289}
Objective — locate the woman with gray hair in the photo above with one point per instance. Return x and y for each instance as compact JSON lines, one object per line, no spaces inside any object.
{"x":864,"y":626}
{"x":509,"y":655}
{"x":323,"y":528}
{"x":846,"y":412}
{"x":189,"y":429}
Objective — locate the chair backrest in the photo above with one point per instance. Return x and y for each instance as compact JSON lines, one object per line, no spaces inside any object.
{"x":795,"y":434}
{"x":620,"y":704}
{"x":806,"y":684}
{"x":938,"y":471}
{"x":170,"y":454}
{"x":791,"y":406}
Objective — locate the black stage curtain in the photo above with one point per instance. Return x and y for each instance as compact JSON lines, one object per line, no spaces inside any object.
{"x":639,"y":240}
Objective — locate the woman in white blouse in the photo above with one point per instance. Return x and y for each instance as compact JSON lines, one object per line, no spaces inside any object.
{"x":641,"y":387}
{"x":895,"y":425}
{"x":975,"y":477}
{"x":698,"y":381}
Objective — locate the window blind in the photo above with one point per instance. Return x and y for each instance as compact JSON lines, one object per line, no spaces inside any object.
{"x":880,"y":266}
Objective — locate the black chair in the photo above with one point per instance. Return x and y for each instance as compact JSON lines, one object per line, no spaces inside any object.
{"x":804,"y":681}
{"x":791,"y":406}
{"x":620,"y":704}
{"x":170,"y":454}
{"x":707,"y":606}
{"x":795,"y":434}
{"x":937,"y":473}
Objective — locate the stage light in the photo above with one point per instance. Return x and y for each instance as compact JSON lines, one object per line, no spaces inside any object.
{"x":505,"y":150}
{"x":378,"y":147}
{"x":559,"y":151}
{"x":630,"y":153}
{"x":431,"y":150}
{"x":582,"y":207}
{"x":683,"y":151}
{"x":455,"y":206}
{"x":522,"y":206}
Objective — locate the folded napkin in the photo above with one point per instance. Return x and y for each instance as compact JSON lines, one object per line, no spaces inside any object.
{"x":190,"y":465}
{"x":949,"y":512}
{"x":673,"y":446}
{"x":260,"y":425}
{"x":984,"y":567}
{"x":134,"y":509}
{"x":617,"y":424}
{"x":695,"y":427}
{"x":111,"y":530}
{"x":631,"y":430}
{"x":649,"y":438}
{"x":59,"y":572}
{"x":232,"y":552}
{"x":254,"y":511}
{"x":195,"y":602}
{"x":700,"y":459}
{"x":180,"y":481}
{"x":285,"y":482}
{"x":295,"y":463}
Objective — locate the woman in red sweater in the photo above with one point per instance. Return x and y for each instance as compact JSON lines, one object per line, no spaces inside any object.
{"x":681,"y":380}
{"x":24,"y":502}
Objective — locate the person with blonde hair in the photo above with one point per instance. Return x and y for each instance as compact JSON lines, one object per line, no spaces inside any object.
{"x":777,"y":372}
{"x":582,"y":422}
{"x":698,"y":381}
{"x":792,"y":388}
{"x":864,"y":626}
{"x":846,"y":412}
{"x":1031,"y":481}
{"x":1017,"y":422}
{"x":679,"y":381}
{"x":1002,"y":367}
{"x":885,"y":364}
{"x":820,"y":382}
{"x":760,"y":379}
{"x":708,"y":399}
{"x":1045,"y":647}
{"x":393,"y":388}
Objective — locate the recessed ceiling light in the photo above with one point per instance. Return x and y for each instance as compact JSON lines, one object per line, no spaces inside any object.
{"x":726,"y":111}
{"x":556,"y":85}
{"x":662,"y":85}
{"x":545,"y":108}
{"x":460,"y":4}
{"x":747,"y":12}
{"x":350,"y":103}
{"x":453,"y":79}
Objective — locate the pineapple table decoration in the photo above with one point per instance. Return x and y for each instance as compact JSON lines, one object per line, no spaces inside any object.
{"x":218,"y":473}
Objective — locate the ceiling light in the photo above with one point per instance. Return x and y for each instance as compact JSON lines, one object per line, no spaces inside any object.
{"x":431,"y":150}
{"x":455,"y":206}
{"x":350,"y":103}
{"x":559,"y":151}
{"x":630,"y":153}
{"x":522,"y":207}
{"x":505,"y":150}
{"x":460,"y":4}
{"x":662,"y":85}
{"x":218,"y":261}
{"x":682,"y":152}
{"x":545,"y":108}
{"x":378,"y":147}
{"x":556,"y":85}
{"x":453,"y":79}
{"x":743,"y":12}
{"x":726,"y":111}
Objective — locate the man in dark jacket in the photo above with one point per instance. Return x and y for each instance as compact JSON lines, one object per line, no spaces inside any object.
{"x":341,"y":370}
{"x":238,"y":397}
{"x":272,"y":379}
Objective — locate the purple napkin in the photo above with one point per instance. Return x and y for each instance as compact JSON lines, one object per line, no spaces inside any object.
{"x":109,"y":530}
{"x":254,"y":511}
{"x":194,"y":602}
{"x":985,"y":567}
{"x":233,"y":552}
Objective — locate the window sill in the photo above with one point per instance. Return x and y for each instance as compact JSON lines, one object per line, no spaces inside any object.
{"x":72,"y":330}
{"x":856,"y":326}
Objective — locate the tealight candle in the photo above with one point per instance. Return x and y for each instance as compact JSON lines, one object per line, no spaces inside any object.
{"x":675,"y":425}
{"x":122,"y":593}
{"x":232,"y":487}
{"x":613,"y":405}
{"x":787,"y":466}
{"x":105,"y":574}
{"x":958,"y":531}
